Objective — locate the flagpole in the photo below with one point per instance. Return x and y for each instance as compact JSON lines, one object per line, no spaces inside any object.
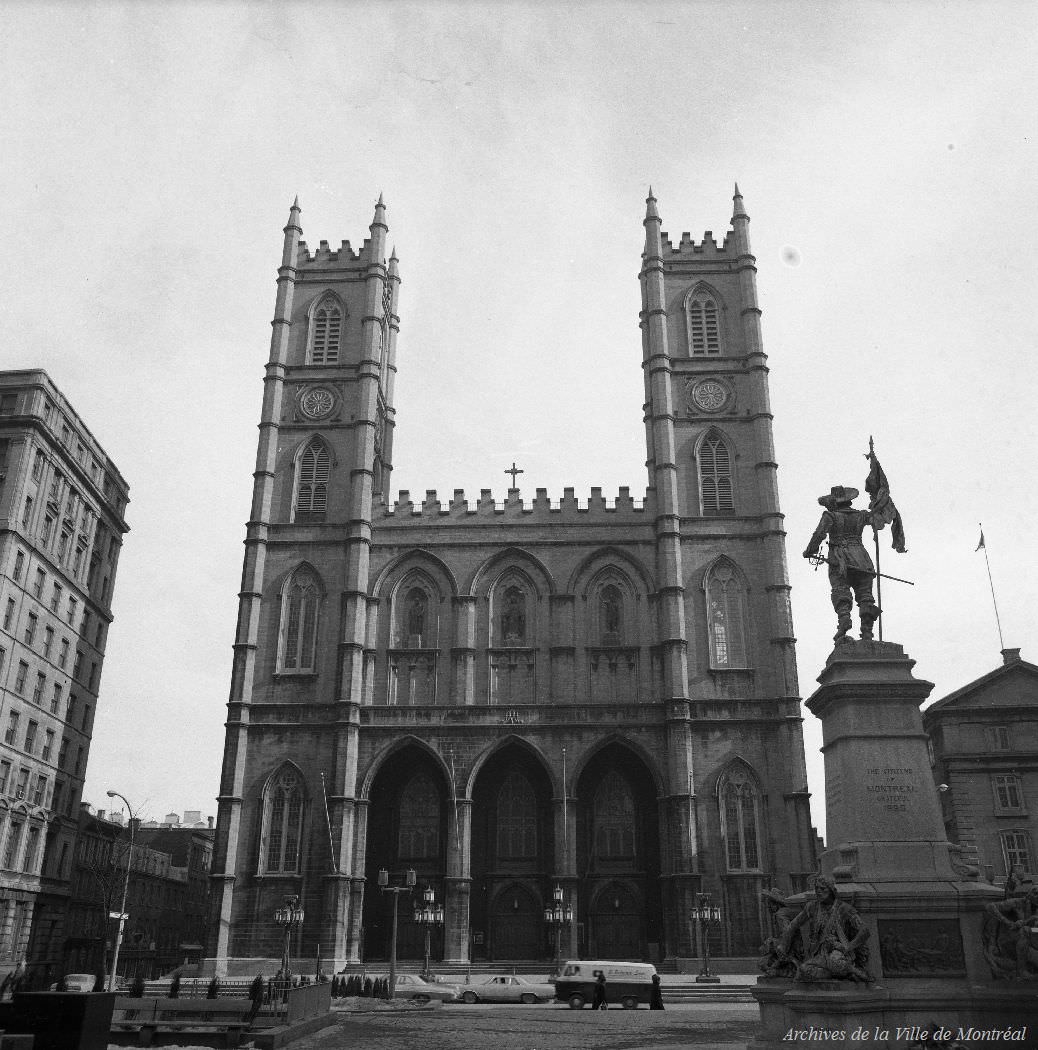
{"x":991,"y":584}
{"x":875,"y":541}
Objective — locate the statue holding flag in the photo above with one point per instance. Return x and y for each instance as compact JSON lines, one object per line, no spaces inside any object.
{"x":851,"y":569}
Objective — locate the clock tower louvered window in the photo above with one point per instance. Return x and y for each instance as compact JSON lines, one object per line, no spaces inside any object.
{"x":327,"y":331}
{"x":715,"y":476}
{"x":312,"y":491}
{"x":703,"y":326}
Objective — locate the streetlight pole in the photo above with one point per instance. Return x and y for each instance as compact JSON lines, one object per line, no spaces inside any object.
{"x":705,"y":912}
{"x":126,"y":888}
{"x":288,"y":916}
{"x":558,"y":914}
{"x":410,"y":879}
{"x":428,"y":914}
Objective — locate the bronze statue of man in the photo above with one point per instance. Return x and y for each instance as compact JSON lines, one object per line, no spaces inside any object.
{"x":850,"y":567}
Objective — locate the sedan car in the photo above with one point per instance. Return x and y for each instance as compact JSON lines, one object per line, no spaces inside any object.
{"x":507,"y":989}
{"x":411,"y":986}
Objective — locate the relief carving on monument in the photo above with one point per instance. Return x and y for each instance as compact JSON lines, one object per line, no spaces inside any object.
{"x":921,"y":948}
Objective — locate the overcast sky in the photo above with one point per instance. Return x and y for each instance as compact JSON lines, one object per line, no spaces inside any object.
{"x":886,"y":153}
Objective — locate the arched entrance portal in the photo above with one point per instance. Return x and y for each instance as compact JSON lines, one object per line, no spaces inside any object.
{"x":407,"y":828}
{"x":512,"y":856}
{"x":618,"y":853}
{"x":516,"y":921}
{"x":616,"y":919}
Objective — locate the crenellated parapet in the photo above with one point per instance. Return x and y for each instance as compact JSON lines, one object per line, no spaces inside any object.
{"x":541,"y":509}
{"x":706,"y":247}
{"x":325,"y":255}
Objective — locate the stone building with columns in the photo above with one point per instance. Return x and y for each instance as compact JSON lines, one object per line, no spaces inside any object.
{"x":509,"y":696}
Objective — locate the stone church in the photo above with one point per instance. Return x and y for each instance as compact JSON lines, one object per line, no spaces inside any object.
{"x":507,"y":697}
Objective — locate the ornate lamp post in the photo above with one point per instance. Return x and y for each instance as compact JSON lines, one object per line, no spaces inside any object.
{"x":705,"y":912}
{"x":428,"y":914}
{"x":126,"y":887}
{"x":557,"y":915}
{"x":410,"y":879}
{"x":289,"y":916}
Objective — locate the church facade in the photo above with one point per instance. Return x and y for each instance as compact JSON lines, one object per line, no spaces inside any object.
{"x":511,"y":697}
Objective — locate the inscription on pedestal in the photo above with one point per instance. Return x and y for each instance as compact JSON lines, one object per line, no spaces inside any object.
{"x":921,"y":948}
{"x":888,"y":787}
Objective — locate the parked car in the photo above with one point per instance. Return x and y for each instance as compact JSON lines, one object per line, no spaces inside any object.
{"x":77,"y":982}
{"x":411,"y":986}
{"x":507,"y":989}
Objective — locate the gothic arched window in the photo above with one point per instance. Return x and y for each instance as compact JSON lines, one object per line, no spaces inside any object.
{"x":299,"y":613}
{"x":738,"y":801}
{"x":312,"y":483}
{"x":516,"y":818}
{"x":726,"y":617}
{"x":326,"y":333}
{"x":715,"y":476}
{"x":611,"y":615}
{"x":513,"y":616}
{"x":419,"y":829}
{"x":283,"y":821}
{"x":613,"y":818}
{"x":704,"y":329}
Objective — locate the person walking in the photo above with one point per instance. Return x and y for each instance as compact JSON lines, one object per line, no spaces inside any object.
{"x":599,"y":1001}
{"x":656,"y":996}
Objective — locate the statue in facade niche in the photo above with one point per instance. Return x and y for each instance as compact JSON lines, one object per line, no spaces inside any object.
{"x":1011,"y":936}
{"x":833,"y":936}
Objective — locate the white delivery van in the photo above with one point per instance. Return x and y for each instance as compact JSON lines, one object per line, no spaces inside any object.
{"x":627,"y":983}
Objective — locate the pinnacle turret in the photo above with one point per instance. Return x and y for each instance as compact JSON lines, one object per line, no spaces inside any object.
{"x":738,"y":212}
{"x":650,"y":206}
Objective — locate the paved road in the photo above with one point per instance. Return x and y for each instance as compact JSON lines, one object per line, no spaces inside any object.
{"x":547,"y":1027}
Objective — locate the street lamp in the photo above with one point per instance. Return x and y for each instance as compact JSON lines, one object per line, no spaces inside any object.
{"x":410,"y":879}
{"x":126,"y":888}
{"x":705,"y":912}
{"x":428,"y":914}
{"x":289,"y":916}
{"x":558,"y":914}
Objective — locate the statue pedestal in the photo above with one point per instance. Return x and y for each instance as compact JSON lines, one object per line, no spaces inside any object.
{"x":891,"y":861}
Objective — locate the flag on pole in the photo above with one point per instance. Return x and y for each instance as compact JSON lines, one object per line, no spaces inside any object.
{"x":981,"y":543}
{"x":880,"y":503}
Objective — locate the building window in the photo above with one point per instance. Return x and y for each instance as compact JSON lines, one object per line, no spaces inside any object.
{"x":1016,"y":850}
{"x":327,"y":332}
{"x":48,"y":641}
{"x":30,"y":736}
{"x":48,"y":745}
{"x":284,"y":813}
{"x":9,"y":614}
{"x":738,"y":801}
{"x":1008,"y":794}
{"x":37,"y":465}
{"x":5,"y":775}
{"x":614,"y":819}
{"x":312,"y":485}
{"x":48,"y":528}
{"x":32,"y":846}
{"x":27,"y":512}
{"x":63,"y":658}
{"x":41,"y":790}
{"x":516,"y":818}
{"x":726,"y":617}
{"x":299,"y":611}
{"x":3,"y":657}
{"x":419,"y":834}
{"x":73,"y":603}
{"x":19,"y":681}
{"x":19,"y":564}
{"x":37,"y":692}
{"x":704,"y":330}
{"x":32,"y":621}
{"x":715,"y":477}
{"x":14,"y":835}
{"x":77,"y":664}
{"x":55,"y":596}
{"x":1001,"y":738}
{"x":12,"y":727}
